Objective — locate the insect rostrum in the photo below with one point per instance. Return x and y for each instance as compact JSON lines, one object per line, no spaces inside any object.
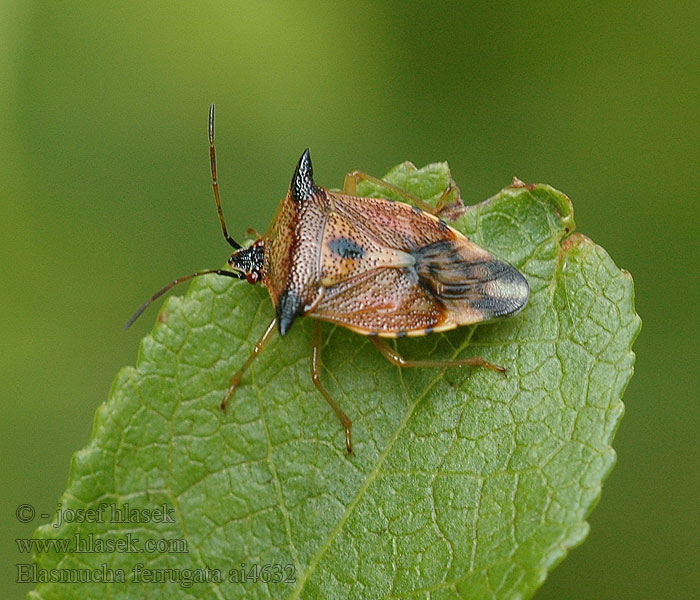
{"x":382,"y":269}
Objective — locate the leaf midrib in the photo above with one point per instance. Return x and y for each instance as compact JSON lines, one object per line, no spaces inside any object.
{"x":372,"y":475}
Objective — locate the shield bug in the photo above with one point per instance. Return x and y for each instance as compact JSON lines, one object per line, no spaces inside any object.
{"x":382,"y":269}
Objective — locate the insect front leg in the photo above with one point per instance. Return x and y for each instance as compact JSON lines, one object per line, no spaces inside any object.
{"x":257,"y":349}
{"x":352,"y":179}
{"x":315,"y":371}
{"x":396,"y":359}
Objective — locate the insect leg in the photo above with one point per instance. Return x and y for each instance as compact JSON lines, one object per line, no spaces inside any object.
{"x":396,"y":359}
{"x":352,"y":179}
{"x":315,"y":370}
{"x":448,"y":191}
{"x":257,"y":349}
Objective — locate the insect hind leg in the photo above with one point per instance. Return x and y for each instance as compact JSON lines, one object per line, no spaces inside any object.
{"x":396,"y":359}
{"x":315,"y":371}
{"x":353,"y":178}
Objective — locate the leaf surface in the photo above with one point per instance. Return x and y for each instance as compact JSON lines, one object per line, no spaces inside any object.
{"x":463,"y":484}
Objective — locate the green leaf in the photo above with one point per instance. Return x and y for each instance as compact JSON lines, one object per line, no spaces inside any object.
{"x":463,"y":484}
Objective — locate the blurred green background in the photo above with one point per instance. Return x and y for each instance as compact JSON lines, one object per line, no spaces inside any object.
{"x":105,"y":197}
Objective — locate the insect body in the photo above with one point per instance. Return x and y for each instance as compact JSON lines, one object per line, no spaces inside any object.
{"x":379,"y":268}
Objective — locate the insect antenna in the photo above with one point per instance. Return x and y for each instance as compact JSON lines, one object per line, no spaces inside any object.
{"x":175,"y":282}
{"x":214,"y":181}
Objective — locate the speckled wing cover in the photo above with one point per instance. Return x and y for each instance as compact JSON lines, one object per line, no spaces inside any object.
{"x":390,"y":269}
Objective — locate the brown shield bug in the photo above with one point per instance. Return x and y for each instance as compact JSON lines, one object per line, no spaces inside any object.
{"x":382,"y":269}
